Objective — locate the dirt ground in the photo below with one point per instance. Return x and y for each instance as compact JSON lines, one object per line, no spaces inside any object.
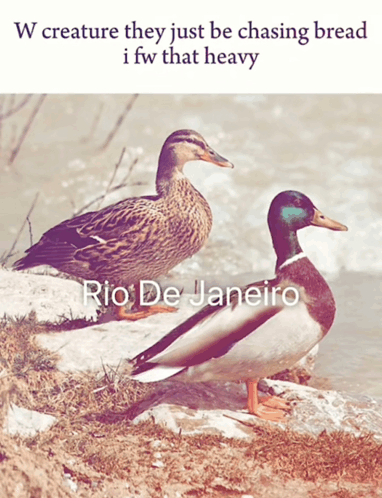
{"x":94,"y":450}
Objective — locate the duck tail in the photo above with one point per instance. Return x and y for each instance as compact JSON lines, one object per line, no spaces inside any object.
{"x":153,"y":372}
{"x":28,"y":261}
{"x":43,"y":253}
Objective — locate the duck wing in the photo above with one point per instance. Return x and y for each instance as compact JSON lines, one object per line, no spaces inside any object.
{"x":208,"y":334}
{"x":96,"y":231}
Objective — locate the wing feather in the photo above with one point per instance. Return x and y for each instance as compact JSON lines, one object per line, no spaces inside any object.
{"x":207,"y":334}
{"x":65,"y":242}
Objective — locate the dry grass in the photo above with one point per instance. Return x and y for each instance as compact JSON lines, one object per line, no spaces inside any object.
{"x":95,"y":443}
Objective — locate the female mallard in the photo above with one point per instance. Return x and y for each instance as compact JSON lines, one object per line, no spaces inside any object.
{"x":139,"y":238}
{"x":232,"y":341}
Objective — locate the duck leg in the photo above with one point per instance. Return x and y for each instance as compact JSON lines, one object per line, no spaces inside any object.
{"x":271,"y":408}
{"x":140,"y":311}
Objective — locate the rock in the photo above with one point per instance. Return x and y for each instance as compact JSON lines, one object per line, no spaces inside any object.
{"x":184,"y":420}
{"x":51,"y":298}
{"x":27,"y":423}
{"x":220,"y":409}
{"x":156,"y":443}
{"x":70,"y":483}
{"x":316,"y":410}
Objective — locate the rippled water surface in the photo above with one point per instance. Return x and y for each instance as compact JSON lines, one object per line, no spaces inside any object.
{"x":329,"y":147}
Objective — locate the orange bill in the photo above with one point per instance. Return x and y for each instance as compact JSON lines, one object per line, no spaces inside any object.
{"x":213,"y":157}
{"x":320,"y":220}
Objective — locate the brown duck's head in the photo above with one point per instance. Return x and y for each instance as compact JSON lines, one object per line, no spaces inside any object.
{"x":183,"y":146}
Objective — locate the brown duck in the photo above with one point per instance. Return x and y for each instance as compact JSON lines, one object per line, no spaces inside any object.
{"x":138,"y":238}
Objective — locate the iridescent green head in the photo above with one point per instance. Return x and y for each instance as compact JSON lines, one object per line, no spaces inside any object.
{"x":290,"y":211}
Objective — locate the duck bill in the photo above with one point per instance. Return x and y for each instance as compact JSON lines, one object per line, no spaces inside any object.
{"x":213,"y":157}
{"x":320,"y":220}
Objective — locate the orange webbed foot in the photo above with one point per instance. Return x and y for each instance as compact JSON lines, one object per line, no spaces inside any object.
{"x":266,"y":413}
{"x":275,"y":402}
{"x":269,"y":408}
{"x":143,"y":313}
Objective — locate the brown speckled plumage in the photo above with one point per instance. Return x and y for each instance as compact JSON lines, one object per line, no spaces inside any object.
{"x":141,"y":237}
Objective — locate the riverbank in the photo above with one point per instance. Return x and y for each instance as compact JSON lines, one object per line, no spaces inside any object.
{"x":109,"y":436}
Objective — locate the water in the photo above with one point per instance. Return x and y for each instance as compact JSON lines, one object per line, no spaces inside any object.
{"x":329,"y":147}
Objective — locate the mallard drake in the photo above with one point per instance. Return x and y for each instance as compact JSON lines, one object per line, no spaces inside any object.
{"x":233,"y":341}
{"x":138,"y":238}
